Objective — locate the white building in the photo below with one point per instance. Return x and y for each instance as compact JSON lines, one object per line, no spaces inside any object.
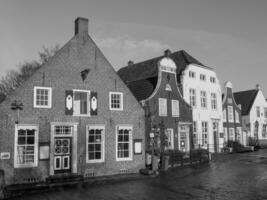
{"x":201,"y":88}
{"x":254,"y":114}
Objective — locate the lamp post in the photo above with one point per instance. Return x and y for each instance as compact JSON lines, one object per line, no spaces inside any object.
{"x":152,"y":136}
{"x":17,"y":105}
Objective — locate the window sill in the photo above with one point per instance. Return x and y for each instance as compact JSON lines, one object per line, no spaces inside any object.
{"x":123,"y":159}
{"x":94,"y":161}
{"x":35,"y":106}
{"x":21,"y":166}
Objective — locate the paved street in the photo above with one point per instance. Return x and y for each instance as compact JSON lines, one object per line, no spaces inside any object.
{"x":238,"y":176}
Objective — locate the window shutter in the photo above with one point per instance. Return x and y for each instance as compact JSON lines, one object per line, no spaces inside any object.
{"x":93,"y":103}
{"x":69,"y":102}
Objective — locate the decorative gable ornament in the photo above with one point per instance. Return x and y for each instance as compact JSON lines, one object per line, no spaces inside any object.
{"x":168,"y":88}
{"x":167,"y":65}
{"x":93,"y":103}
{"x":69,"y":102}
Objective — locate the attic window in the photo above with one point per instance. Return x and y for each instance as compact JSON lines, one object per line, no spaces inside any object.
{"x":42,"y":97}
{"x":192,"y":74}
{"x":203,"y":77}
{"x":212,"y":79}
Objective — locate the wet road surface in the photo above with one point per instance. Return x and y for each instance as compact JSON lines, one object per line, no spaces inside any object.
{"x":231,"y":177}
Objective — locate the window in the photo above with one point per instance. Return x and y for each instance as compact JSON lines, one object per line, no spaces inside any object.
{"x":236,"y":116}
{"x":213,"y":101}
{"x":265,"y":112}
{"x":192,"y":74}
{"x":175,"y":108}
{"x":192,"y":96}
{"x":224,"y":115}
{"x":95,"y":143}
{"x":116,"y":101}
{"x":264,"y":130}
{"x":162,"y":107}
{"x":212,"y":79}
{"x":42,"y":97}
{"x":238,"y":134}
{"x":225,"y":133}
{"x":26,"y":146}
{"x":231,"y":134}
{"x":204,"y":133}
{"x":124,"y":143}
{"x":203,"y":99}
{"x":203,"y":77}
{"x":230,"y":114}
{"x":81,"y":103}
{"x":195,"y":132}
{"x":258,"y":111}
{"x":169,"y":139}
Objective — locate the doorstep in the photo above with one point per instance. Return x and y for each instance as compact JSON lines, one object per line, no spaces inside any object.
{"x":53,"y":184}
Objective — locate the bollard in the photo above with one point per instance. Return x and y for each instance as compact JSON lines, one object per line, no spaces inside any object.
{"x":2,"y":184}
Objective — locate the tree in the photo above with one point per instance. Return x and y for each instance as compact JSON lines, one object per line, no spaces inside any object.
{"x":15,"y":78}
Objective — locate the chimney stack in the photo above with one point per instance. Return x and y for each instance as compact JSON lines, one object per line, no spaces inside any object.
{"x":167,"y":53}
{"x":130,"y":63}
{"x":258,"y":87}
{"x":81,"y":25}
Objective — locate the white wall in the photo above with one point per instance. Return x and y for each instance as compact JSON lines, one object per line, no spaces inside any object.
{"x":252,"y":117}
{"x":200,"y":114}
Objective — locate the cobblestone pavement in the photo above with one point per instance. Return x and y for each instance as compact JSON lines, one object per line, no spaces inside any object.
{"x":231,"y":177}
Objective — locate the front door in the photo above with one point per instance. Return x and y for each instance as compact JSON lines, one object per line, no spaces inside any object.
{"x":62,"y":155}
{"x":184,"y":138}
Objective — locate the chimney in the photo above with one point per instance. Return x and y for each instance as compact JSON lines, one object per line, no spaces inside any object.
{"x":167,"y":53}
{"x":258,"y":87}
{"x":130,"y":63}
{"x":81,"y":25}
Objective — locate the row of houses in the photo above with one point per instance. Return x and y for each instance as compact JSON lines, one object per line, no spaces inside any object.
{"x":82,"y":118}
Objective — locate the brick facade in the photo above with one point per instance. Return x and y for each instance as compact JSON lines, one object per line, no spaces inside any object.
{"x":62,"y":73}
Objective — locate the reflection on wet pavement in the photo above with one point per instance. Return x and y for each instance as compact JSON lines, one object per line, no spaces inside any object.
{"x":232,"y":176}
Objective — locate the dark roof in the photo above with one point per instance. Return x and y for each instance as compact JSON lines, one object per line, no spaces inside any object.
{"x":2,"y":97}
{"x":141,"y":77}
{"x":246,"y":99}
{"x":149,"y":68}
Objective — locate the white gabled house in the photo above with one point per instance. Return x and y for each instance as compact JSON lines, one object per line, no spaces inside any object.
{"x":254,"y":114}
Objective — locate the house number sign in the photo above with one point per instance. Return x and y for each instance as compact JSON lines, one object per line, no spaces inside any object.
{"x":4,"y":156}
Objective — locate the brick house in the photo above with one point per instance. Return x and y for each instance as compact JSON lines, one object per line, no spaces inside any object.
{"x":78,"y":119}
{"x":154,"y":84}
{"x":254,"y":114}
{"x":232,"y":121}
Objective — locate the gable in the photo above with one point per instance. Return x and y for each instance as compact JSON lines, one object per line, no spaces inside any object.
{"x":246,"y":99}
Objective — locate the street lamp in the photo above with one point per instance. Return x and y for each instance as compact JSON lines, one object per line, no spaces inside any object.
{"x":17,"y":105}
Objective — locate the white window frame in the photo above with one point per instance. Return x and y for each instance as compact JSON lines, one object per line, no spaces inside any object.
{"x":49,"y":97}
{"x":212,"y":79}
{"x":258,"y":111}
{"x":213,"y":97}
{"x":130,"y":127}
{"x":88,"y":103}
{"x":171,"y":139}
{"x":203,"y":99}
{"x":202,"y":77}
{"x":204,"y":131}
{"x":162,"y":107}
{"x":224,"y":115}
{"x":192,"y":74}
{"x":233,"y":136}
{"x":121,"y":101}
{"x":192,"y":97}
{"x":175,"y":108}
{"x":100,"y":126}
{"x":265,"y":113}
{"x":225,"y":133}
{"x":237,"y":116}
{"x":195,"y":140}
{"x":230,"y":113}
{"x":36,"y":139}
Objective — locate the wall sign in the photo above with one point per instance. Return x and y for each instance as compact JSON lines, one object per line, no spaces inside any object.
{"x":137,"y":146}
{"x":5,"y":156}
{"x":44,"y":151}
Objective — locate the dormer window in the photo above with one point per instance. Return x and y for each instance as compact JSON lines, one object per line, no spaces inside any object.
{"x":203,"y":77}
{"x":192,"y":74}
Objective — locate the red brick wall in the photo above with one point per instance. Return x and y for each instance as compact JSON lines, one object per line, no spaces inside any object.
{"x":62,"y":73}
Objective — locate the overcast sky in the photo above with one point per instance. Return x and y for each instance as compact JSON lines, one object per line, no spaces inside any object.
{"x":228,"y":35}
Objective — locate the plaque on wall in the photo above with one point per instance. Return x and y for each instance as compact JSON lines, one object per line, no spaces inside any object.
{"x":4,"y":155}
